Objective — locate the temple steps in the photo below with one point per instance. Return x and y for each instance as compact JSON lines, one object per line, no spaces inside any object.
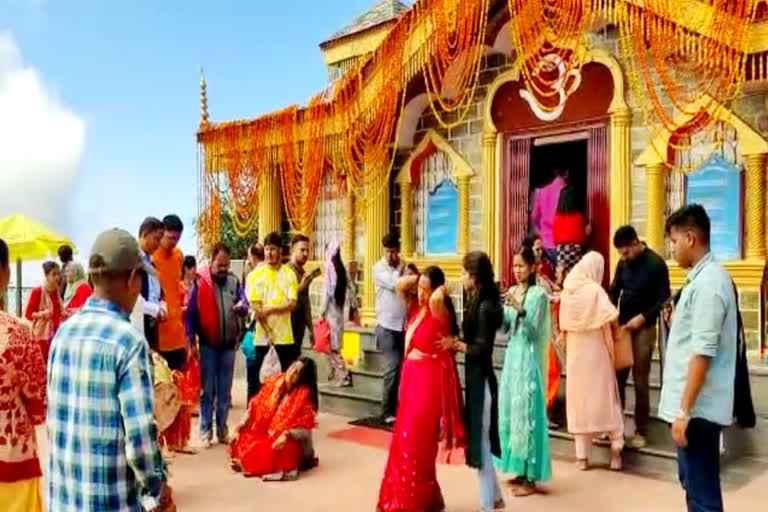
{"x":746,"y":452}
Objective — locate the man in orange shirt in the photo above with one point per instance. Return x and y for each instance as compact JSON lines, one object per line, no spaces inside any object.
{"x":169,"y":262}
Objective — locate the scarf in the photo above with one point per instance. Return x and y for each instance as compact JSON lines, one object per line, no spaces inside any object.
{"x":276,"y":409}
{"x":78,"y":274}
{"x":44,"y":328}
{"x":330,"y":270}
{"x":584,"y":305}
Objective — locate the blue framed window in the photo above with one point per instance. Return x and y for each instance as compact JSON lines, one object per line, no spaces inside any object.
{"x":441,"y":228}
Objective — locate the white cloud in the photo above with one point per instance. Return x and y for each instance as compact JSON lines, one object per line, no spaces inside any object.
{"x":41,"y":143}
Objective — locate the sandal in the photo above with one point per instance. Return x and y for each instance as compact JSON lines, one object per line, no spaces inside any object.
{"x":516,"y":482}
{"x":582,"y":465}
{"x":499,"y":505}
{"x":526,"y":489}
{"x":616,"y":462}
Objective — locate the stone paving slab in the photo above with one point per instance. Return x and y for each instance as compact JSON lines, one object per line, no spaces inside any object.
{"x":349,"y":475}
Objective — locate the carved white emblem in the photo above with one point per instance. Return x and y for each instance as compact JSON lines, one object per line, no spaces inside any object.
{"x":565,"y":85}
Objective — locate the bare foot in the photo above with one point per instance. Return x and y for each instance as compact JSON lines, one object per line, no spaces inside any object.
{"x":582,"y":464}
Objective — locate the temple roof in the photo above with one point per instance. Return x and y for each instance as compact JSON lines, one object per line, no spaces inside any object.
{"x":381,"y":12}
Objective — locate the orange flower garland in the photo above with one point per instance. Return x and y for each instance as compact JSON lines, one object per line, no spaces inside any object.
{"x":353,"y":129}
{"x":546,"y":34}
{"x":456,"y":47}
{"x":664,"y":52}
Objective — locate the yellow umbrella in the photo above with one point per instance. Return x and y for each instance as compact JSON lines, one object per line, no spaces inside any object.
{"x":28,"y":239}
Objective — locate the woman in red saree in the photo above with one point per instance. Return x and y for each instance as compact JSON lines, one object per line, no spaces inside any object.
{"x":274,"y":440}
{"x":429,"y":424}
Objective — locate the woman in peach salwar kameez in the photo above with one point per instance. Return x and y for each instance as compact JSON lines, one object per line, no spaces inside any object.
{"x":592,"y":395}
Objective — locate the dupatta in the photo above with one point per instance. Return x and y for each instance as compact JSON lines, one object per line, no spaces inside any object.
{"x":274,"y":409}
{"x":452,"y":441}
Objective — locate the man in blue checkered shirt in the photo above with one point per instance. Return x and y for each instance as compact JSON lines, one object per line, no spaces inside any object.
{"x":103,"y":446}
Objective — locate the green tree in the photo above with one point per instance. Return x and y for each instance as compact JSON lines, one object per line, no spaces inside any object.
{"x":237,"y":244}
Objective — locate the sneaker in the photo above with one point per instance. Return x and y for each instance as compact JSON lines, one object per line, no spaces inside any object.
{"x":638,"y":442}
{"x":205,"y":442}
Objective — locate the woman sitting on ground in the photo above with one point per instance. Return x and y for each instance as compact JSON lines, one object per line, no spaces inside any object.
{"x":274,"y":441}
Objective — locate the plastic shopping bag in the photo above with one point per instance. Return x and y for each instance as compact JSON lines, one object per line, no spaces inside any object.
{"x":271,"y":365}
{"x":322,"y":337}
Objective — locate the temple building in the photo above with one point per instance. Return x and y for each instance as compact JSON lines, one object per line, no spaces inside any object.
{"x":649,"y":105}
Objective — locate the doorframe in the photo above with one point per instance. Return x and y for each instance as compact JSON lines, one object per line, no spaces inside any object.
{"x":506,"y":139}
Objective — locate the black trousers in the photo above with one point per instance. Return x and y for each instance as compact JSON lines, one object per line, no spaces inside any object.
{"x":175,"y":358}
{"x":391,"y":345}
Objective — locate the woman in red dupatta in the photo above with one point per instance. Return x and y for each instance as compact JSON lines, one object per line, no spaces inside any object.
{"x":44,"y":309}
{"x":429,"y":426}
{"x":272,"y":440}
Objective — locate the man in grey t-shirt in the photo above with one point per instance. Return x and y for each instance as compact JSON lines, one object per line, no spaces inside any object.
{"x":390,"y":320}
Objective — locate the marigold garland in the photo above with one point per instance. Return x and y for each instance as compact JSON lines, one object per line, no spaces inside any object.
{"x":456,"y":48}
{"x":352,"y":128}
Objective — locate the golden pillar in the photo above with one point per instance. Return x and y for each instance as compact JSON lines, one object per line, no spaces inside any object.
{"x":754,"y":206}
{"x":656,"y":206}
{"x":489,"y":193}
{"x":463,"y":189}
{"x":348,"y":247}
{"x":621,"y":174}
{"x":376,"y":226}
{"x":406,"y":218}
{"x":270,"y":205}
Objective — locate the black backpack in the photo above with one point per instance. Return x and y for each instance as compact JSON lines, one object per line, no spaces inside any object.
{"x":743,"y":408}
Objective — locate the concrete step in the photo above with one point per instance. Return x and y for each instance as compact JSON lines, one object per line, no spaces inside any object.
{"x":367,"y":386}
{"x":373,"y":360}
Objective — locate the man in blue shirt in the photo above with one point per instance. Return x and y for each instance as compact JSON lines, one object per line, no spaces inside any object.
{"x":700,"y":363}
{"x":103,"y":451}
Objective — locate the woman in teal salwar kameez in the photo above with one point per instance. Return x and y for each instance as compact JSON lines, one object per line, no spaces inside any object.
{"x":522,"y":404}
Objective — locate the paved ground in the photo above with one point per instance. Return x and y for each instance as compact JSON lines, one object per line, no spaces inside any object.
{"x":349,"y":475}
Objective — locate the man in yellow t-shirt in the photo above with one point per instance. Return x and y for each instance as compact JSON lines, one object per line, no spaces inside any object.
{"x":272,"y":291}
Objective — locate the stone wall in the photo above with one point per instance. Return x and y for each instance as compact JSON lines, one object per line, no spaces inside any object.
{"x":466,"y":139}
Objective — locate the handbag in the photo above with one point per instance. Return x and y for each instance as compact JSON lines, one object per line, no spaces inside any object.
{"x":322,"y":336}
{"x":271,"y":365}
{"x":623,"y":356}
{"x":247,"y":347}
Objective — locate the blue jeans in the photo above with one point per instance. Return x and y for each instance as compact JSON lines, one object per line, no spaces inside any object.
{"x":699,"y":467}
{"x":490,"y":493}
{"x":216,"y":369}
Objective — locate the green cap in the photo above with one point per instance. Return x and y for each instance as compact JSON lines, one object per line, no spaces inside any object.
{"x":115,"y":250}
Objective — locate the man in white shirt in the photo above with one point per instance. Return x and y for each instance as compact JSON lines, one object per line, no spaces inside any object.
{"x":390,"y":320}
{"x":150,"y":233}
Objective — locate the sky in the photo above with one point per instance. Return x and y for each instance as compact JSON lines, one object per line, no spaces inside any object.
{"x":100,"y":100}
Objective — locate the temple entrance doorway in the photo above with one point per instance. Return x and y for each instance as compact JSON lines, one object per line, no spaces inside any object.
{"x":552,"y":154}
{"x":530,"y":162}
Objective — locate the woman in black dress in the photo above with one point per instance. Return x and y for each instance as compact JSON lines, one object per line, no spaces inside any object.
{"x":482,"y":318}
